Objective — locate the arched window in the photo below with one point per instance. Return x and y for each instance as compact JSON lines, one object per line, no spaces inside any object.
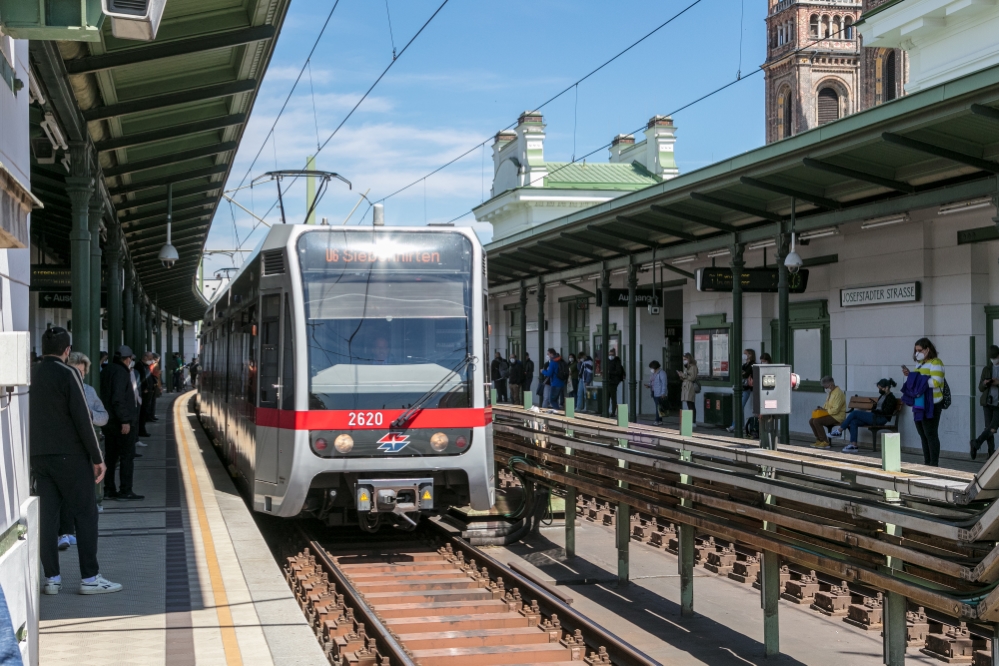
{"x":888,"y":77}
{"x":786,"y":117}
{"x":837,"y":29}
{"x":848,"y":28}
{"x":828,"y":106}
{"x":825,"y":27}
{"x":813,"y":26}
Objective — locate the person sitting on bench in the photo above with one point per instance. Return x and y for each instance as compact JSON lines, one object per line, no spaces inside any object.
{"x":880,"y":414}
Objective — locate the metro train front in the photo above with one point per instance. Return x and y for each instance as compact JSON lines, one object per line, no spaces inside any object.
{"x":366,"y":366}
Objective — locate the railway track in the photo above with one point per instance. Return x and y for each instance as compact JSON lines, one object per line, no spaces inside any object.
{"x":435,"y":600}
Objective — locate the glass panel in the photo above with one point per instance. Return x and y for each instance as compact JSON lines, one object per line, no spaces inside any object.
{"x":288,"y":365}
{"x":269,"y":332}
{"x":807,"y":346}
{"x":702,"y":350}
{"x":719,"y":354}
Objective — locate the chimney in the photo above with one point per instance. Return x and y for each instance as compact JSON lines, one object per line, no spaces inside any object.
{"x":660,"y":137}
{"x":531,"y":149}
{"x":620,"y":144}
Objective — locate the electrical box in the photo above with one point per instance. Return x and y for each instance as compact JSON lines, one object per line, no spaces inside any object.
{"x":15,"y":359}
{"x":772,"y":390}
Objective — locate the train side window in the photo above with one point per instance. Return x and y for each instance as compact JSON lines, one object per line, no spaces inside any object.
{"x":270,"y":321}
{"x":288,"y":367}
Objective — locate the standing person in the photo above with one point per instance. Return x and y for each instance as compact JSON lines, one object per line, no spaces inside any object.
{"x":746,"y":374}
{"x":880,"y":414}
{"x":104,"y":360}
{"x":195,"y":368}
{"x":528,"y":372}
{"x":557,"y":374}
{"x":146,"y":389}
{"x":120,"y":395}
{"x":516,"y":381}
{"x":98,"y":416}
{"x":573,"y":387}
{"x":690,"y":385}
{"x":178,"y":372}
{"x":928,"y":422}
{"x":988,"y":385}
{"x":66,"y":462}
{"x":585,"y":379}
{"x":499,"y":371}
{"x":657,"y":384}
{"x":613,"y":376}
{"x":765,"y":359}
{"x":835,"y":411}
{"x":156,"y":370}
{"x":545,"y":387}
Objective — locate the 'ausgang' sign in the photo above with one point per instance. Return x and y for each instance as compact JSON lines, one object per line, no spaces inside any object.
{"x":905,"y":292}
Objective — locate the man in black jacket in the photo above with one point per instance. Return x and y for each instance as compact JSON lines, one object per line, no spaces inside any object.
{"x":614,"y":375}
{"x":66,"y":462}
{"x":528,"y":372}
{"x":120,"y":395}
{"x":516,"y":380}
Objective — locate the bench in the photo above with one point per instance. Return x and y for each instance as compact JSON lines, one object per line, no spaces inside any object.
{"x":867,"y":404}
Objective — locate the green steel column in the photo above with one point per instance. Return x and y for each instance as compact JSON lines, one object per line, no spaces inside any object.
{"x":126,"y":324}
{"x":180,"y":340}
{"x":783,"y":314}
{"x":570,"y":491}
{"x":80,"y":188}
{"x":148,"y":321}
{"x":770,"y":596}
{"x":632,"y":343}
{"x":96,"y":212}
{"x":735,"y":340}
{"x":974,"y":387}
{"x":114,"y":286}
{"x":605,"y":336}
{"x":158,"y":328}
{"x":995,"y":643}
{"x":528,"y":394}
{"x":310,"y":190}
{"x":140,"y":299}
{"x":168,"y":363}
{"x":541,"y":325}
{"x":895,"y":632}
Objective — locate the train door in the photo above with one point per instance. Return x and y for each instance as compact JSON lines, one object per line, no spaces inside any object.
{"x":673,"y":361}
{"x":267,"y":384}
{"x":286,"y":393}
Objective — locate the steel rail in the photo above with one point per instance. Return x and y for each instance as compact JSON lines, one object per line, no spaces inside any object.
{"x":387,"y":643}
{"x":620,"y":652}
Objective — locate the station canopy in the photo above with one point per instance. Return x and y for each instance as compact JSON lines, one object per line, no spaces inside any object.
{"x":168,"y":111}
{"x":930,"y":148}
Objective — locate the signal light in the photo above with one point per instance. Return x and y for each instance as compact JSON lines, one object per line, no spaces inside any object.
{"x":461,"y":442}
{"x":320,"y":444}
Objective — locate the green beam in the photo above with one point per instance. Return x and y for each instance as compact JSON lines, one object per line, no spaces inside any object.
{"x":696,"y":219}
{"x":166,"y":180}
{"x":731,"y":205}
{"x":618,"y":234}
{"x":522,"y":266}
{"x":655,"y":225}
{"x":128,"y":221}
{"x":577,"y":248}
{"x":169,"y":99}
{"x":863,"y":176}
{"x":160,"y":229}
{"x":539,"y":256}
{"x":939,"y":151}
{"x":985,"y":111}
{"x":169,"y":159}
{"x":169,"y":133}
{"x":178,"y":193}
{"x":824,"y":202}
{"x":159,"y":50}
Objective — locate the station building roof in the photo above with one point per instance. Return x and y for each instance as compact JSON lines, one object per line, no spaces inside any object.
{"x":930,"y":148}
{"x":598,"y":176}
{"x":168,"y":111}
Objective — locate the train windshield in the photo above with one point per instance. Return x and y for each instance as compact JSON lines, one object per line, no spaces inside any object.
{"x":387,"y":318}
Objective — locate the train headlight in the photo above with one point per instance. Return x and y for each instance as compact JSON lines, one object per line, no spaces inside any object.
{"x":438,"y":441}
{"x":343,"y":443}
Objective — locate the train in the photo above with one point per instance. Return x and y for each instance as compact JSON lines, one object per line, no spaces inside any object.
{"x":344,"y":374}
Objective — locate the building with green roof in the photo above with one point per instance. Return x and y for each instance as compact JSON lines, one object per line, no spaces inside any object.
{"x":528,"y":191}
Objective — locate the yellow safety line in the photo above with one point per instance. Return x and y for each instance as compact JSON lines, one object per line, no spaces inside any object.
{"x":229,"y":640}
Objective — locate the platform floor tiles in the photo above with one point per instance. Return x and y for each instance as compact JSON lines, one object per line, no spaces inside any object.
{"x":200,"y":585}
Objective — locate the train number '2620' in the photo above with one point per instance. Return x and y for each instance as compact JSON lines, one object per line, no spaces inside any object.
{"x":361,"y":419}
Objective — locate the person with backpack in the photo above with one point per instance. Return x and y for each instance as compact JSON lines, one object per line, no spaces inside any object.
{"x":988,"y":386}
{"x":585,"y":381}
{"x":614,"y":375}
{"x":690,"y":386}
{"x":925,"y":412}
{"x":528,"y":372}
{"x":516,"y":381}
{"x":657,"y":384}
{"x":557,"y":374}
{"x":573,"y":387}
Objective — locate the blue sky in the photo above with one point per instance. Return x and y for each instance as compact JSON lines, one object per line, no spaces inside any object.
{"x":469,"y":74}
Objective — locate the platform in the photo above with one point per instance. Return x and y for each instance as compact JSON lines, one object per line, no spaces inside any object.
{"x":200,"y":584}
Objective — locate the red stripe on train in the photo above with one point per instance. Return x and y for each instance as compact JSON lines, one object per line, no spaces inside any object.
{"x":349,"y":419}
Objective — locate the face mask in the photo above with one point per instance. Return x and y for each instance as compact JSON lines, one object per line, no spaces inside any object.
{"x":827,"y":390}
{"x":995,"y":361}
{"x":918,"y":356}
{"x":611,"y":357}
{"x":685,"y":363}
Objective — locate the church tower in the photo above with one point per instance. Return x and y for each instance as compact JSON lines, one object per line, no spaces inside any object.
{"x":813,"y":64}
{"x":817,"y":70}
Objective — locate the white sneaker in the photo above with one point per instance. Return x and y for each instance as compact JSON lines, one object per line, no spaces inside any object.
{"x":100,"y":585}
{"x":850,"y":448}
{"x":72,"y":539}
{"x":730,"y":428}
{"x":64,"y":542}
{"x":51,"y":586}
{"x":836,"y":431}
{"x":141,"y":444}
